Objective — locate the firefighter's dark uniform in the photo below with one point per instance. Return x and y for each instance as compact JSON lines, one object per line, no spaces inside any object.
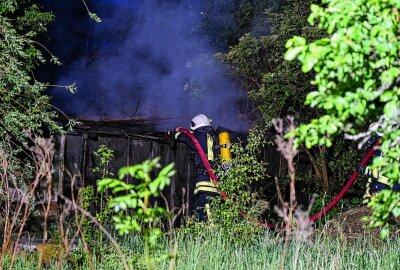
{"x":204,"y":186}
{"x":376,"y":181}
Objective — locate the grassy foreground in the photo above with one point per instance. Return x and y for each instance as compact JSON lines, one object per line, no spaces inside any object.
{"x":218,"y":250}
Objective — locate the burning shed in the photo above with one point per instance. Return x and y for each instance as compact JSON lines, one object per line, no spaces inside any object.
{"x":133,"y":142}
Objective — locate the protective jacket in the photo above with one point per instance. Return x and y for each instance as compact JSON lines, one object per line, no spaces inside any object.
{"x":207,"y":138}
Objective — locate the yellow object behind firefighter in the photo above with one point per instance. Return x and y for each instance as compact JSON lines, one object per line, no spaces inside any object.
{"x":208,"y":212}
{"x":225,"y":142}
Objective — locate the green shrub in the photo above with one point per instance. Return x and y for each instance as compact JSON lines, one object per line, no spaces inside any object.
{"x":246,"y":168}
{"x":356,"y":75}
{"x":131,"y":202}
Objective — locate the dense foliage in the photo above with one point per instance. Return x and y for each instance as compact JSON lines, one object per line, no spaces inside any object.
{"x":224,"y":22}
{"x":356,"y":75}
{"x":244,"y":171}
{"x":278,"y":88}
{"x":25,"y":112}
{"x":23,"y":100}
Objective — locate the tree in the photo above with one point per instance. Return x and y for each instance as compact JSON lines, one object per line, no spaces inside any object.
{"x":357,"y":82}
{"x":23,"y":99}
{"x":278,"y":88}
{"x":226,"y":21}
{"x":23,"y":103}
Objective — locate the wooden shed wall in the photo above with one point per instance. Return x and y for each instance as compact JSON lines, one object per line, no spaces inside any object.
{"x":75,"y":155}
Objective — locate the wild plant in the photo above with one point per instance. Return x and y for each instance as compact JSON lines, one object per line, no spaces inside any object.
{"x":243,"y":202}
{"x":89,"y":196}
{"x":18,"y":201}
{"x":296,"y":223}
{"x":131,"y":202}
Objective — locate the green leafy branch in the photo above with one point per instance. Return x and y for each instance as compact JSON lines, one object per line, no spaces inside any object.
{"x":136,"y":198}
{"x":357,"y":77}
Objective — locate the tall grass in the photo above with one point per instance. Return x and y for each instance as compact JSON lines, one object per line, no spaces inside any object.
{"x":215,"y":249}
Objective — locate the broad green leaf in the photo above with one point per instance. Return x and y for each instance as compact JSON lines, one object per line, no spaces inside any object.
{"x":293,"y":52}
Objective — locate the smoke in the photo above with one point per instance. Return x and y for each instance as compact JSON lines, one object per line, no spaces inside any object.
{"x":145,"y":60}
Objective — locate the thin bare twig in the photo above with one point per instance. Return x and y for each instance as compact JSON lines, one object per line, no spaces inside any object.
{"x":97,"y":223}
{"x":296,"y":221}
{"x":173,"y":246}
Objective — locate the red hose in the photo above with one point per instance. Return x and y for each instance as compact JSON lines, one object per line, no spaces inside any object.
{"x":349,"y":183}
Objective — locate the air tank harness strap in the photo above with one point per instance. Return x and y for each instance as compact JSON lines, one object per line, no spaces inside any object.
{"x":219,"y":146}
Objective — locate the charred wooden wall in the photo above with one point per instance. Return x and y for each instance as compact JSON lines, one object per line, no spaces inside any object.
{"x":75,"y":157}
{"x":133,"y":144}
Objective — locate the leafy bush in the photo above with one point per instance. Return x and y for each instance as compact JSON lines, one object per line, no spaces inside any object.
{"x":356,"y":75}
{"x":278,"y":88}
{"x":136,"y":198}
{"x":24,"y":104}
{"x":104,"y":156}
{"x":245,"y":170}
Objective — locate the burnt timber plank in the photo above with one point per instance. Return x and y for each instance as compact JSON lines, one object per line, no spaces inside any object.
{"x":73,"y":163}
{"x":120,"y":146}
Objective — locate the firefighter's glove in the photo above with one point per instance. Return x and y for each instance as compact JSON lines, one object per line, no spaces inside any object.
{"x":177,"y":133}
{"x":172,"y":133}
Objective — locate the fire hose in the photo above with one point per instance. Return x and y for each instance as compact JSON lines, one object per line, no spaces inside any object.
{"x":324,"y":211}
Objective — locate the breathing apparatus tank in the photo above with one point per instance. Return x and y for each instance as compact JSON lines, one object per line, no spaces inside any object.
{"x":225,"y":151}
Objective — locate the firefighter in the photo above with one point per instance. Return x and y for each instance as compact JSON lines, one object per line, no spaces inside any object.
{"x":205,"y":188}
{"x":376,"y":181}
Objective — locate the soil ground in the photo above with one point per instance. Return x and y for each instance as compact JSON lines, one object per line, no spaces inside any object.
{"x":349,"y":226}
